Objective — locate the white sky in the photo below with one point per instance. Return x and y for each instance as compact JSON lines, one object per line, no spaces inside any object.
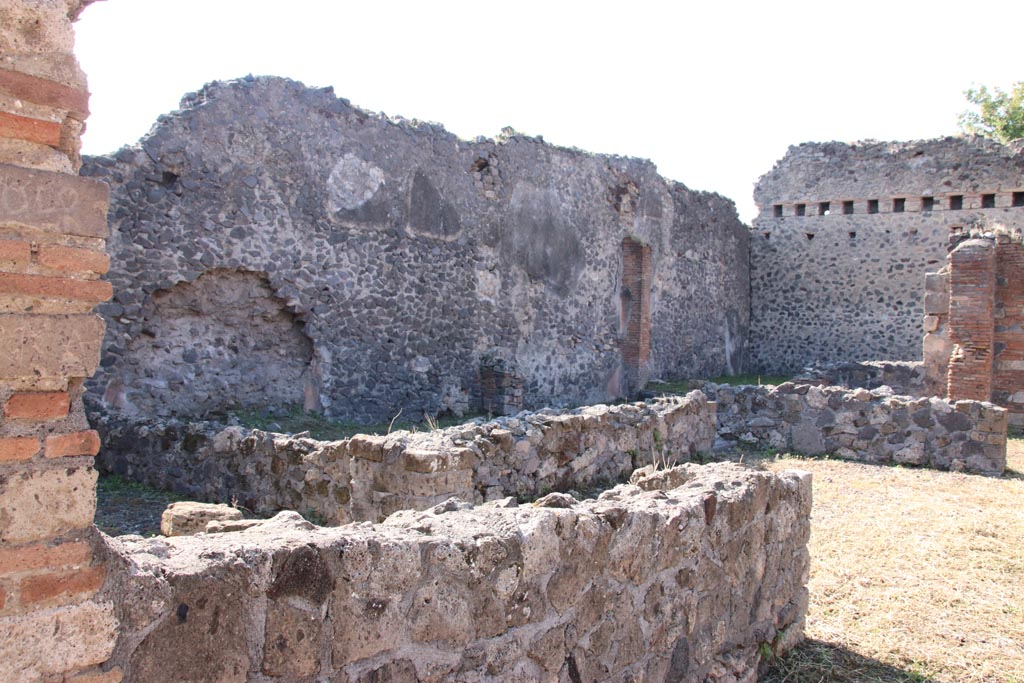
{"x":713,"y":93}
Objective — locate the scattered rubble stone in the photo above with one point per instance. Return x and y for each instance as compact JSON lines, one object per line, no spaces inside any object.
{"x":185,"y":518}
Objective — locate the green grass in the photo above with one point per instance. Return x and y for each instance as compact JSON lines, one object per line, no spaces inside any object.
{"x":739,"y":380}
{"x":113,"y":484}
{"x":674,"y":387}
{"x":295,"y":420}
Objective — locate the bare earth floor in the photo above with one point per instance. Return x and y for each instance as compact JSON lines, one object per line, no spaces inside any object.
{"x":917,"y":576}
{"x":124,"y":507}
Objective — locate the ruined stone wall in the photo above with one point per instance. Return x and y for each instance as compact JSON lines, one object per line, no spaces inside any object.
{"x":369,"y":477}
{"x":870,"y":426}
{"x":689,"y":575}
{"x":52,"y":230}
{"x":844,"y":237}
{"x":408,"y":258}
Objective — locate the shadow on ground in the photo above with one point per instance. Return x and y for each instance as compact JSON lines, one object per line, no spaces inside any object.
{"x":815,"y":661}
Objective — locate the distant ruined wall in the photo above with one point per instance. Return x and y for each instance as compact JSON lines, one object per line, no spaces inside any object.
{"x":869,"y":426}
{"x":845,"y":235}
{"x":52,"y":229}
{"x":410,"y":260}
{"x":906,"y":378}
{"x":690,"y":574}
{"x":370,"y":477}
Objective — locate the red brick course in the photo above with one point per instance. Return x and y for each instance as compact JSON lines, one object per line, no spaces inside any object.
{"x":76,"y":443}
{"x":73,"y":259}
{"x":43,"y":556}
{"x":61,"y":585}
{"x":48,"y":93}
{"x":38,"y":406}
{"x":94,"y":291}
{"x":31,"y":130}
{"x":15,"y":250}
{"x":17,"y":448}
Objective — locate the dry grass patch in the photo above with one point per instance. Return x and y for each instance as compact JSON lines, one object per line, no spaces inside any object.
{"x":916,"y":575}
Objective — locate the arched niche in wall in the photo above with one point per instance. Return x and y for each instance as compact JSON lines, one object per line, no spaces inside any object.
{"x":221,"y":342}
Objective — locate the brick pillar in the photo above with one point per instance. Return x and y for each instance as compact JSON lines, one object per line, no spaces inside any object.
{"x":972,"y":280}
{"x":52,"y":231}
{"x":636,"y":311}
{"x":1008,"y":359}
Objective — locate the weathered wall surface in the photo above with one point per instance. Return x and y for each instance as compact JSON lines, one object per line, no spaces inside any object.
{"x":225,"y":334}
{"x":369,"y":477}
{"x":52,"y":230}
{"x":406,"y":256}
{"x":871,"y":426}
{"x":843,"y":281}
{"x":685,"y":576}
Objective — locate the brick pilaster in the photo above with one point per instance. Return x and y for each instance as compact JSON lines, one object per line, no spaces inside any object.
{"x":1008,"y":359}
{"x":636,"y":302}
{"x":972,"y":281}
{"x":52,"y":231}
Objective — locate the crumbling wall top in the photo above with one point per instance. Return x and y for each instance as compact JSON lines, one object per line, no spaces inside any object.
{"x":836,"y":170}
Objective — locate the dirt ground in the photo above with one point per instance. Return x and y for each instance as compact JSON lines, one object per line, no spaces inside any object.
{"x":124,"y":507}
{"x":916,"y":575}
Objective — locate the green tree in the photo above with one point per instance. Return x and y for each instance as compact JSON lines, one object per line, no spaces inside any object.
{"x":998,"y":115}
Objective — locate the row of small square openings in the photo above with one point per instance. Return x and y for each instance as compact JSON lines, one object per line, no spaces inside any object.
{"x":852,"y":234}
{"x":825,"y":208}
{"x":955,"y":202}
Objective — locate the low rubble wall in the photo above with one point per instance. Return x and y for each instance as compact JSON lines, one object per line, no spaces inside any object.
{"x":369,"y":477}
{"x":871,"y":426}
{"x":689,"y":574}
